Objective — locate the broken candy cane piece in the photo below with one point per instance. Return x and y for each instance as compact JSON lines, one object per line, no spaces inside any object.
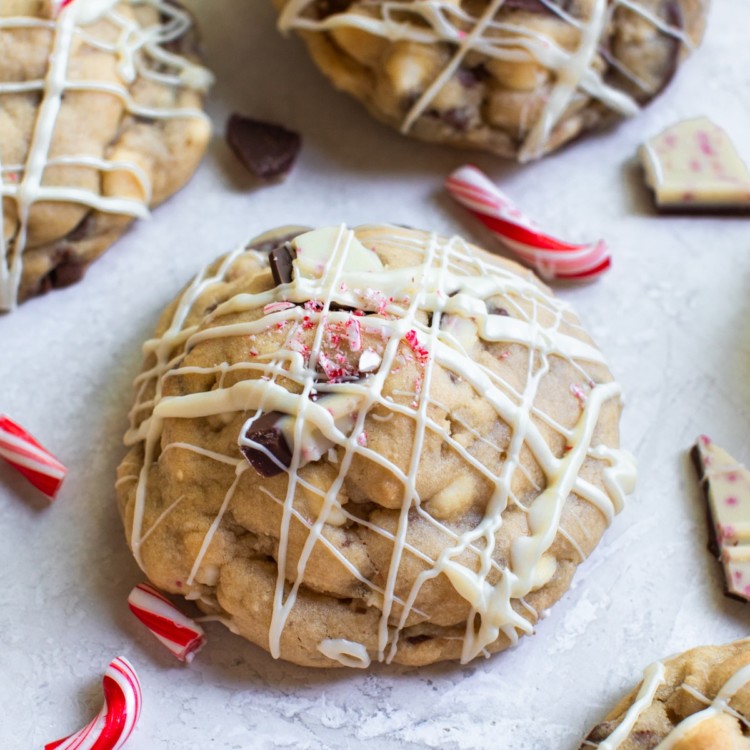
{"x":552,"y":258}
{"x":693,"y":166}
{"x":726,"y":485}
{"x":113,"y":725}
{"x":30,"y":458}
{"x":180,"y":634}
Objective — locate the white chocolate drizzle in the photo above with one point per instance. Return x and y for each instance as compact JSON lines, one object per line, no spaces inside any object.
{"x":140,"y":52}
{"x":446,"y":22}
{"x":345,"y":652}
{"x":653,"y":677}
{"x":449,"y":280}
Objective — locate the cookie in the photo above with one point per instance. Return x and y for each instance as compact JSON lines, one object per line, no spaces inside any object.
{"x":370,"y":444}
{"x":100,"y":119}
{"x":698,"y":700}
{"x":518,"y":78}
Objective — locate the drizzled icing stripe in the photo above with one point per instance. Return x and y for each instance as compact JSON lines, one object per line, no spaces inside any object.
{"x":445,"y":21}
{"x":453,"y":285}
{"x":654,"y":676}
{"x":138,"y":51}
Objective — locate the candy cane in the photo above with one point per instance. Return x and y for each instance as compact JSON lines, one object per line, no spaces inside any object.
{"x":181,"y":635}
{"x":110,"y":729}
{"x":29,"y":458}
{"x":552,"y":258}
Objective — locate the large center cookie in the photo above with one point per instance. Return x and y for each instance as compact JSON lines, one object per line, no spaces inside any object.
{"x":100,"y":119}
{"x":516,"y":77}
{"x":370,"y":444}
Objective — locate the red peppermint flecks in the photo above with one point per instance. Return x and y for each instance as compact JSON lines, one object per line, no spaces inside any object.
{"x":420,"y":352}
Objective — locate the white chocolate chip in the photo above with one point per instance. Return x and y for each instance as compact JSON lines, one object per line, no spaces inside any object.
{"x":454,"y":499}
{"x":369,"y":361}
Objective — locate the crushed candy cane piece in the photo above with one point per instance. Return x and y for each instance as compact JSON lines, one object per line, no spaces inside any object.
{"x":354,"y":334}
{"x":273,"y":307}
{"x":179,"y":633}
{"x":114,"y":724}
{"x":550,"y":257}
{"x":30,"y":458}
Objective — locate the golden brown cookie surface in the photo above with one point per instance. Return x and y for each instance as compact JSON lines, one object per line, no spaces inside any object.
{"x":371,"y":444}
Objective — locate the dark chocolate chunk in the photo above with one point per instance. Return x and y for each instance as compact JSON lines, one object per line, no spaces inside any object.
{"x":272,"y":243}
{"x":265,"y":431}
{"x":281,"y":259}
{"x":66,"y":274}
{"x":469,"y":77}
{"x":534,"y":6}
{"x":713,"y":542}
{"x":457,"y":118}
{"x":327,"y":8}
{"x":493,"y":309}
{"x":85,"y":229}
{"x":266,"y":149}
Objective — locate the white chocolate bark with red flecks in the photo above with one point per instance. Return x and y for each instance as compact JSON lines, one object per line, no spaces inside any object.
{"x":695,"y":164}
{"x":727,"y":486}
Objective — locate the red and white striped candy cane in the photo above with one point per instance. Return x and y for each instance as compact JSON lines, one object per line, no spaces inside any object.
{"x":552,"y":258}
{"x":110,"y":729}
{"x":181,"y":635}
{"x":29,"y":458}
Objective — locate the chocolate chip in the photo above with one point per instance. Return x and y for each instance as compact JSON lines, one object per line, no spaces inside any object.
{"x":469,"y":77}
{"x":85,"y":228}
{"x":533,"y":6}
{"x":493,"y":309}
{"x":281,"y":259}
{"x":327,"y":8}
{"x":266,"y":149}
{"x":265,"y":431}
{"x":266,"y":246}
{"x":415,"y":640}
{"x":457,"y":118}
{"x":66,"y":274}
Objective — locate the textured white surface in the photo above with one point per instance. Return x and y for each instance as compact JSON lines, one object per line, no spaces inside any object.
{"x":672,"y":315}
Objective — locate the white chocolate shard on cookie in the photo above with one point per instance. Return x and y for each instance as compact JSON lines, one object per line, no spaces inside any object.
{"x":694,"y":165}
{"x":314,"y":252}
{"x":726,"y":484}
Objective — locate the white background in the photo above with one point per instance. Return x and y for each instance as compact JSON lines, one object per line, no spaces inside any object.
{"x":673,"y":315}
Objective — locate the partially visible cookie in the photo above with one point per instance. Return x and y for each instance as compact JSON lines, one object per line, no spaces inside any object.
{"x":698,"y":700}
{"x":376,"y":444}
{"x":519,"y":78}
{"x":100,"y":119}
